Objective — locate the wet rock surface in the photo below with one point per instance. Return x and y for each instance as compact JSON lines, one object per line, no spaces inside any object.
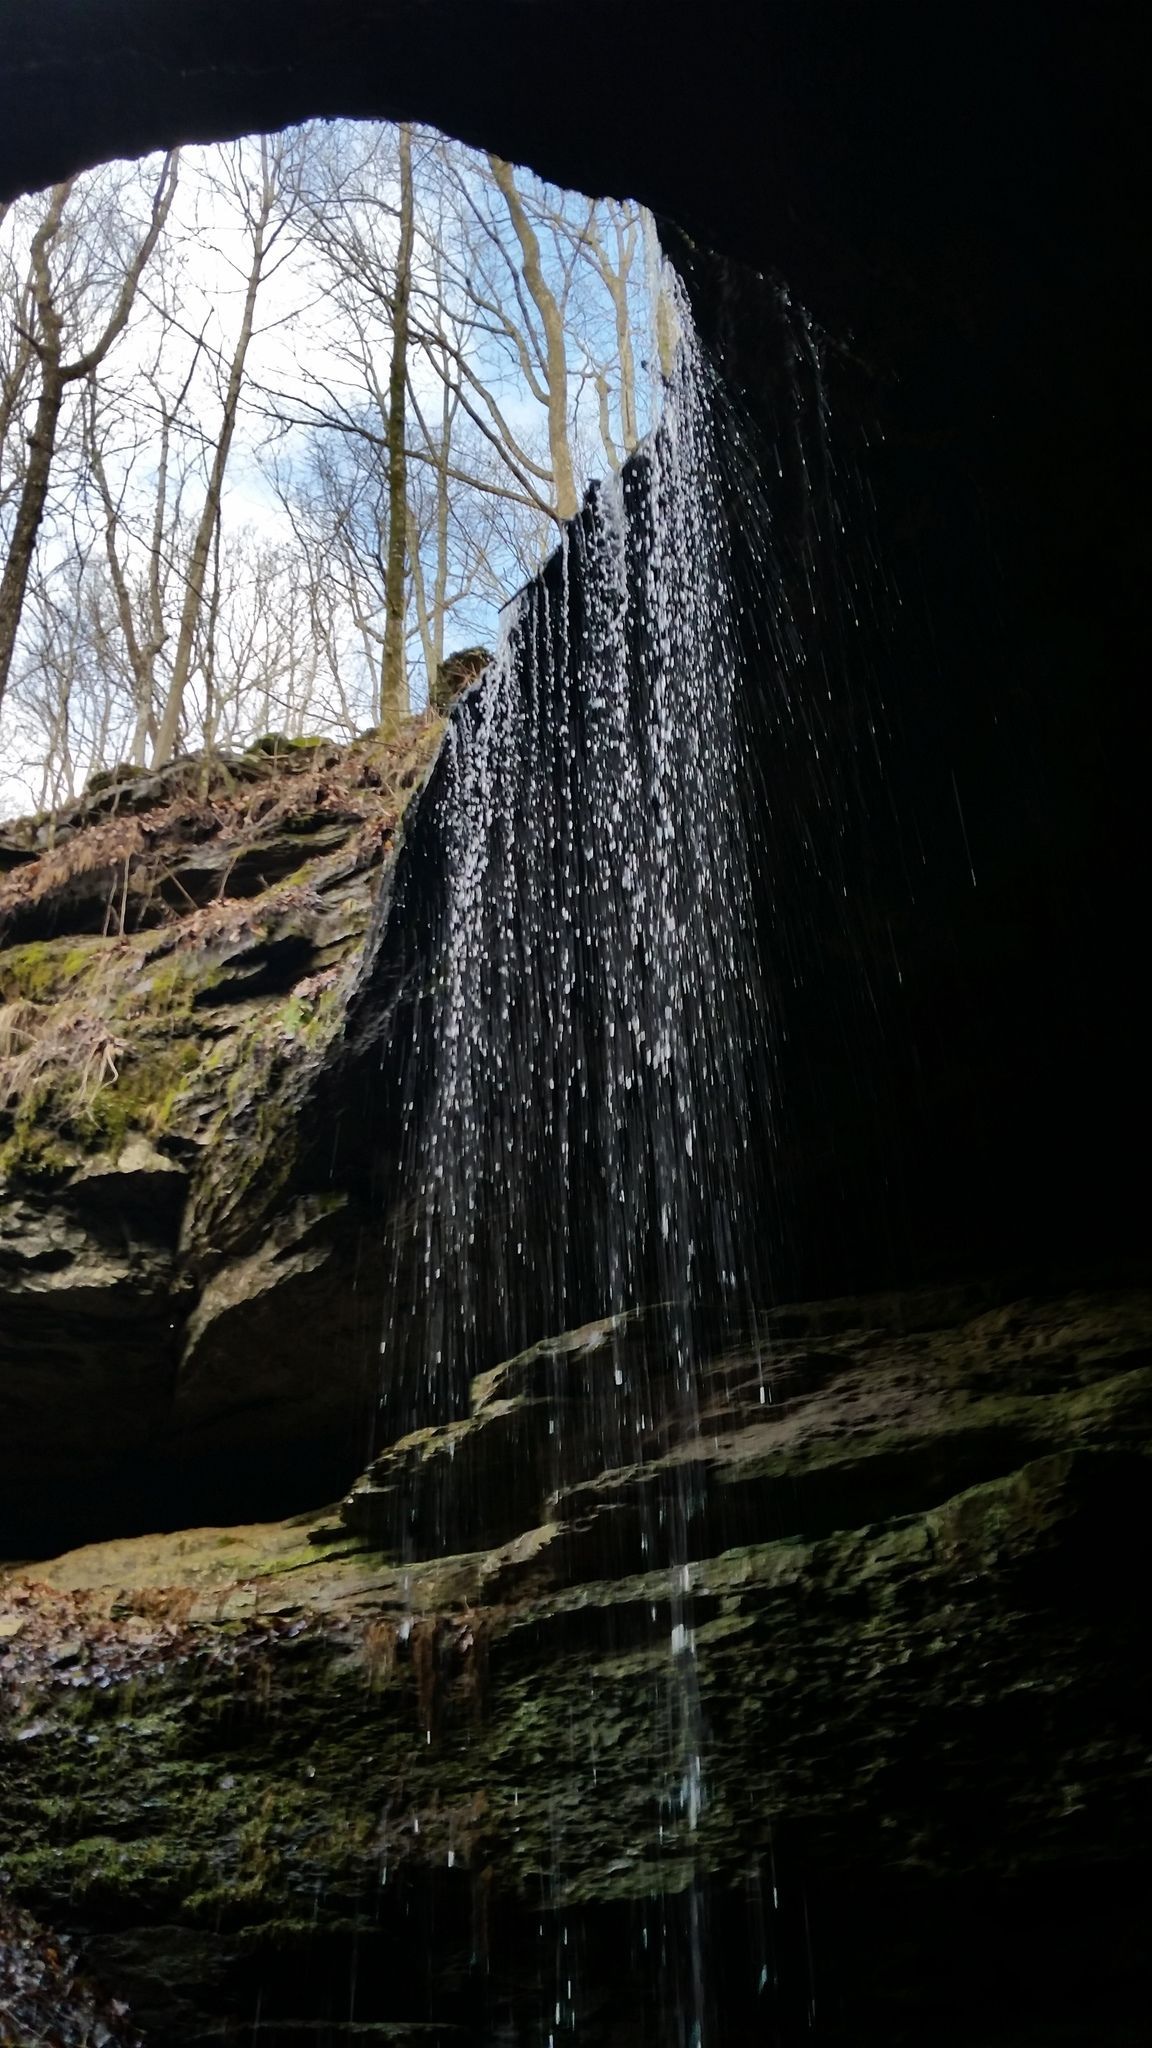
{"x":919,"y":1644}
{"x":44,"y":1996}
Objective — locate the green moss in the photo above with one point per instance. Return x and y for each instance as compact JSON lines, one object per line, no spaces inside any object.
{"x":237,"y":1832}
{"x":278,"y":743}
{"x":854,"y":1689}
{"x":42,"y":970}
{"x":836,"y":1679}
{"x":139,"y":1098}
{"x":310,"y":1020}
{"x":170,"y":986}
{"x":33,"y":1152}
{"x":106,"y":778}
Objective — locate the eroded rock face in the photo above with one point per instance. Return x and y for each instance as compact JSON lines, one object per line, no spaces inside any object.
{"x":175,"y":951}
{"x":919,"y":1659}
{"x":814,"y":1424}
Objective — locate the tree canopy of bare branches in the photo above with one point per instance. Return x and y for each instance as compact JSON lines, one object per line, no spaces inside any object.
{"x":283,"y":422}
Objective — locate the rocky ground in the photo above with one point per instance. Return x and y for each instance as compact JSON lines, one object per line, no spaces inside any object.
{"x":909,"y":1646}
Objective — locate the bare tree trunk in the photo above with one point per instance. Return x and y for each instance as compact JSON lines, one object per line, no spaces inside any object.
{"x":15,"y":370}
{"x":615,"y":276}
{"x":556,"y":355}
{"x":425,"y":624}
{"x":47,"y":341}
{"x":12,"y":393}
{"x":211,"y":695}
{"x":443,"y":518}
{"x":604,"y":405}
{"x":29,"y":513}
{"x":200,"y":555}
{"x":141,"y":654}
{"x":394,"y":704}
{"x":432,"y":612}
{"x":666,"y":325}
{"x":55,"y":375}
{"x":144,"y":729}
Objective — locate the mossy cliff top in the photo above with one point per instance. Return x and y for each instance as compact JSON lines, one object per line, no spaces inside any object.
{"x":192,"y":920}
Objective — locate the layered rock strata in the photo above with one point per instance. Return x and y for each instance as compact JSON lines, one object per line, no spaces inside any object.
{"x":175,"y":954}
{"x":919,"y":1656}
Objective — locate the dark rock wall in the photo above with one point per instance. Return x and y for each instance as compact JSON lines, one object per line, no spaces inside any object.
{"x":174,"y":954}
{"x":952,"y":896}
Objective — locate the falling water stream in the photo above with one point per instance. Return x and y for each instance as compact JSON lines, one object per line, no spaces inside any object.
{"x":589,"y":1105}
{"x":582,"y":1149}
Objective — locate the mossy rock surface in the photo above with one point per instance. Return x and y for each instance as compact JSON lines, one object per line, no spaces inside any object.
{"x":238,"y":1733}
{"x":175,"y":955}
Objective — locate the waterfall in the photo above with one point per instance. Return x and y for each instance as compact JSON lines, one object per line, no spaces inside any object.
{"x":581,"y":1141}
{"x":578,"y":1109}
{"x":588,"y":1035}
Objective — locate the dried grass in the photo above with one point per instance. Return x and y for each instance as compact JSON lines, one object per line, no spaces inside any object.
{"x":58,"y":1042}
{"x":115,"y":843}
{"x":367,"y":783}
{"x":19,"y":1024}
{"x":239,"y":917}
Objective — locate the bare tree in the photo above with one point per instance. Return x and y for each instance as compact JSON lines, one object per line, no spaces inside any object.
{"x":470,"y":362}
{"x":496,"y":324}
{"x":49,"y":312}
{"x":16,"y":362}
{"x":547,"y":285}
{"x":609,"y":356}
{"x":74,"y":698}
{"x":267,"y":206}
{"x":140,"y":566}
{"x":554,"y":352}
{"x":264,"y":659}
{"x":394,"y":703}
{"x":480,"y":283}
{"x":362,"y":222}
